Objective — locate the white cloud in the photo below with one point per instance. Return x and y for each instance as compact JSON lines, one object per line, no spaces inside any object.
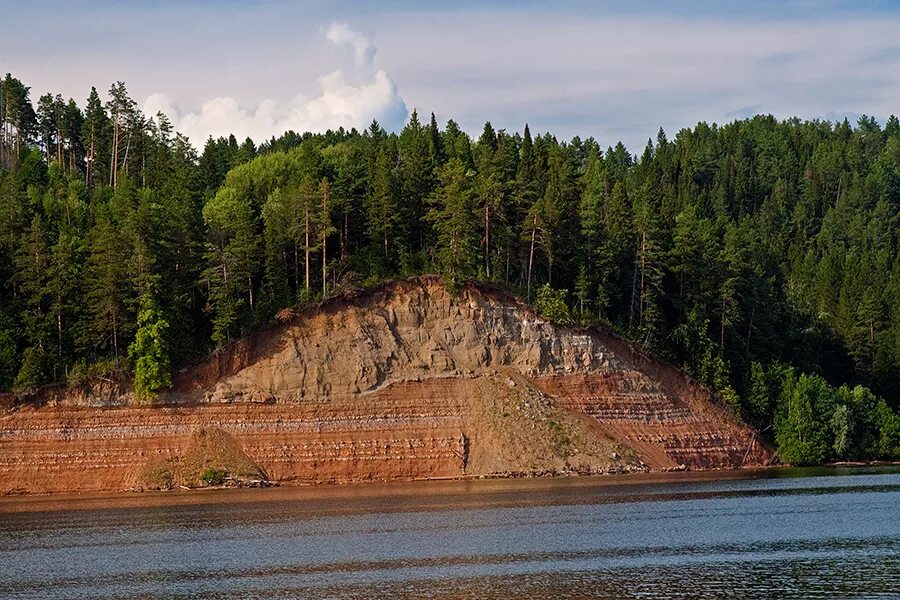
{"x":348,"y":98}
{"x":342,"y":35}
{"x":588,"y":69}
{"x":621,"y":77}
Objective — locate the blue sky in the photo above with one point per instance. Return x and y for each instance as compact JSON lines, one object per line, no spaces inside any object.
{"x":614,"y":71}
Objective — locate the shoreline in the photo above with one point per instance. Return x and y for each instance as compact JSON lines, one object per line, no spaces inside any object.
{"x":332,"y":494}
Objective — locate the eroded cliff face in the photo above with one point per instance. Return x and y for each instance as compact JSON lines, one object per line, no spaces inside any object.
{"x":412,"y":330}
{"x":407,"y":382}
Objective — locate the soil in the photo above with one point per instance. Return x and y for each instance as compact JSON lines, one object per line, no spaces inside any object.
{"x":212,"y":458}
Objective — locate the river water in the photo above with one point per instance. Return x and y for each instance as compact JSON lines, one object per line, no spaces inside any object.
{"x":776,"y":534}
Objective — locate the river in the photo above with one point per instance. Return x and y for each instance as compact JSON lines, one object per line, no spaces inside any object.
{"x":779,"y":533}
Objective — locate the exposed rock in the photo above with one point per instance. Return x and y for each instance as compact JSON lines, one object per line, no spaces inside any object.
{"x":410,"y":331}
{"x":407,"y":382}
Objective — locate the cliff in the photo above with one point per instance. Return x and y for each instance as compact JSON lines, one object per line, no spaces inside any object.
{"x":410,"y":381}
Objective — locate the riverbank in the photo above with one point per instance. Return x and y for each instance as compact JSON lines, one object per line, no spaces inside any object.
{"x":338,"y":498}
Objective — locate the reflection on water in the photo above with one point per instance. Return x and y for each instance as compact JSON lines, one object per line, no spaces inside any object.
{"x":835,"y":535}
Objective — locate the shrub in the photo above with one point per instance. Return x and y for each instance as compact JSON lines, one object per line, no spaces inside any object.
{"x":552,"y":305}
{"x":33,"y":371}
{"x":83,"y":372}
{"x":213,"y":476}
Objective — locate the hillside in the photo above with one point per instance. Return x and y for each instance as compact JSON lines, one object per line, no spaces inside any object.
{"x":409,"y":381}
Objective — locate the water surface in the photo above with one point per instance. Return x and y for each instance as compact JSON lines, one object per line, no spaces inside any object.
{"x":827,"y":533}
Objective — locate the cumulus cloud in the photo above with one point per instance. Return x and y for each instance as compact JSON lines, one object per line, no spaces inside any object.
{"x":342,"y":35}
{"x":348,"y":98}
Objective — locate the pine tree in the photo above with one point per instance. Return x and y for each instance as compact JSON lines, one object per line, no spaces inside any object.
{"x":95,"y":126}
{"x":414,"y":179}
{"x":489,"y":199}
{"x":452,"y":217}
{"x":381,"y":212}
{"x":436,"y":144}
{"x":108,"y":296}
{"x":33,"y":263}
{"x":124,"y":115}
{"x":324,"y":228}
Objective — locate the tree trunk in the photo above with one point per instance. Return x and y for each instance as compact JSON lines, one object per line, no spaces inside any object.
{"x":59,"y":157}
{"x":306,"y":259}
{"x":59,"y":335}
{"x":325,"y":219}
{"x":116,"y":341}
{"x":506,"y":276}
{"x":296,"y":267}
{"x":89,"y":175}
{"x":634,"y":293}
{"x":722,"y":329}
{"x":127,"y":148}
{"x":113,"y":158}
{"x":643,"y":272}
{"x":531,"y":255}
{"x":487,"y":241}
{"x":550,"y":269}
{"x":344,"y":229}
{"x":2,"y":134}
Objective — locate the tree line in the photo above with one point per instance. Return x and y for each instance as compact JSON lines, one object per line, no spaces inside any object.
{"x":761,"y":255}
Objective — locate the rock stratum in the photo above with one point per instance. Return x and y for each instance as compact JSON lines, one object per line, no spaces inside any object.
{"x":410,"y":381}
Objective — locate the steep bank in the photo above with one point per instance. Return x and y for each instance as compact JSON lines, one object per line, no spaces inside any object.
{"x":409,"y":381}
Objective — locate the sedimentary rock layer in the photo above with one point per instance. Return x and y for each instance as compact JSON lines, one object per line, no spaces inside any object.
{"x":410,"y":381}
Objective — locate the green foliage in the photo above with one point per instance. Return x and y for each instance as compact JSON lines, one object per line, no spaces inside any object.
{"x":817,"y":422}
{"x":148,"y":352}
{"x":760,"y":396}
{"x":887,"y":443}
{"x":8,"y":358}
{"x":802,"y":425}
{"x":213,"y":476}
{"x":753,"y":254}
{"x":33,"y":371}
{"x":715,"y":373}
{"x":451,"y":216}
{"x":842,"y":430}
{"x":83,"y":372}
{"x":551,"y":304}
{"x":230,"y":256}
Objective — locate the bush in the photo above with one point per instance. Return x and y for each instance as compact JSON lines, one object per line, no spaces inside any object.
{"x":8,"y":358}
{"x":212,"y":476}
{"x":887,"y":444}
{"x":552,"y":305}
{"x":33,"y":371}
{"x":83,"y":372}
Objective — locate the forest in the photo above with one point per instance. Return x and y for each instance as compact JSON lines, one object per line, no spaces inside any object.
{"x":762,"y":256}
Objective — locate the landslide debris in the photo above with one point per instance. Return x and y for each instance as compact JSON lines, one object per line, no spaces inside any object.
{"x":516,"y":429}
{"x":213,"y":458}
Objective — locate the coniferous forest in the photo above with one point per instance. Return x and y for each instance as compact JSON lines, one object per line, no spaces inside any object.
{"x":763,"y":256}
